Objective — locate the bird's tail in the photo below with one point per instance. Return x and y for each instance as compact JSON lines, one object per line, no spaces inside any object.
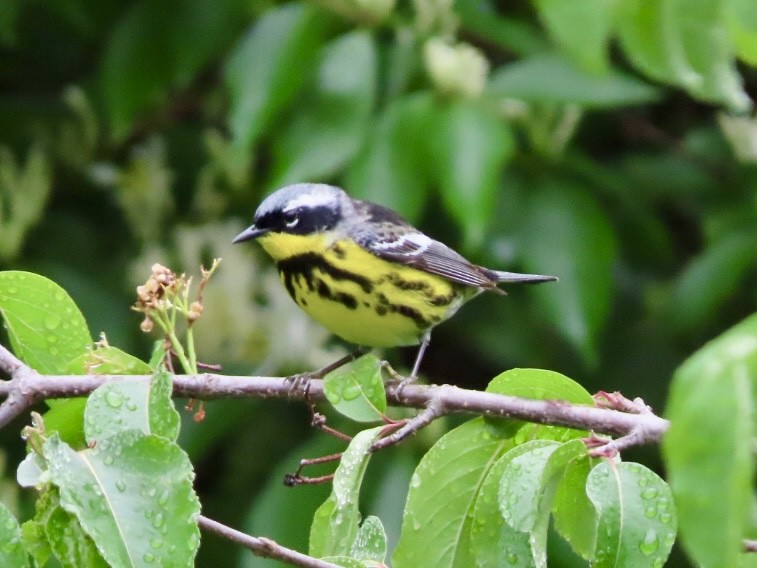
{"x":515,"y":277}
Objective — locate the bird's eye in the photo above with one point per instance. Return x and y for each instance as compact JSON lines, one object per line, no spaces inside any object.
{"x":291,"y":219}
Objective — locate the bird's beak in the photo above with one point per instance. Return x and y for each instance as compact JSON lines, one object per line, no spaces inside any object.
{"x":251,"y":232}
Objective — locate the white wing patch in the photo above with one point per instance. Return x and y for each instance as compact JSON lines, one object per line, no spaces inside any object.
{"x":411,"y":244}
{"x":424,"y":253}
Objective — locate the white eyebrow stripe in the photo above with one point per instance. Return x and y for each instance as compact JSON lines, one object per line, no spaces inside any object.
{"x":311,"y":199}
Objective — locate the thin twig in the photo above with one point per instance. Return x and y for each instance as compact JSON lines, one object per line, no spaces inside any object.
{"x":434,"y":410}
{"x":261,"y":546}
{"x":296,"y":478}
{"x":637,"y":436}
{"x":617,"y":401}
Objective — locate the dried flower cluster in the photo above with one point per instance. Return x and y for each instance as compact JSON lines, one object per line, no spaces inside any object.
{"x":157,"y":293}
{"x":164,"y":299}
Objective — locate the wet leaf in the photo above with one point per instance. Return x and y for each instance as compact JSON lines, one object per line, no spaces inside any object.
{"x":714,"y":392}
{"x":436,"y":525}
{"x":335,"y":523}
{"x":357,"y":390}
{"x":12,"y":552}
{"x":635,"y":515}
{"x":132,"y":493}
{"x":538,"y":384}
{"x":45,"y":327}
{"x":142,"y":405}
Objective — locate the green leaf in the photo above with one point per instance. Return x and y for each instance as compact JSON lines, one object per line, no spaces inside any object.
{"x":12,"y":552}
{"x":98,"y":360}
{"x":705,"y":39}
{"x":527,"y":488}
{"x":24,"y":187}
{"x":443,"y":492}
{"x":269,"y":66}
{"x":582,"y":28}
{"x":45,"y":327}
{"x":66,"y":417}
{"x":711,"y":476}
{"x":469,"y":147}
{"x":132,"y":493}
{"x":392,"y":169}
{"x":512,"y":34}
{"x":745,"y":43}
{"x":122,"y":405}
{"x":524,"y":490}
{"x":335,"y":523}
{"x":549,"y":78}
{"x":565,"y":233}
{"x":370,"y":543}
{"x":649,"y":36}
{"x":538,"y":384}
{"x":329,"y":126}
{"x":742,"y":23}
{"x":684,"y":44}
{"x":574,"y":516}
{"x":710,"y":279}
{"x":635,"y":514}
{"x":53,"y":531}
{"x":109,"y":360}
{"x":403,"y":61}
{"x":159,"y":45}
{"x":35,"y":542}
{"x":69,"y":543}
{"x":344,"y":561}
{"x":357,"y":390}
{"x":492,"y":539}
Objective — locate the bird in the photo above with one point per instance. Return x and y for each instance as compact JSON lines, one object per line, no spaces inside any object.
{"x":362,"y":271}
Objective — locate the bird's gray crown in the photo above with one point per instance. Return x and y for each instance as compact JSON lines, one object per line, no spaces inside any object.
{"x":301,"y":195}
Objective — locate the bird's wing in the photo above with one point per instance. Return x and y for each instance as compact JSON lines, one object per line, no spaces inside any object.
{"x":412,"y":248}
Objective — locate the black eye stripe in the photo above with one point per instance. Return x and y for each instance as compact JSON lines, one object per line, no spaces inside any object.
{"x":301,"y":221}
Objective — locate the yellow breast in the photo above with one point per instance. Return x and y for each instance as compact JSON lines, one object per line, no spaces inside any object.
{"x":358,"y":296}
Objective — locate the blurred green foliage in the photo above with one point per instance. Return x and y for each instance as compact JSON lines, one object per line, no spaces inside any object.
{"x":611,"y":143}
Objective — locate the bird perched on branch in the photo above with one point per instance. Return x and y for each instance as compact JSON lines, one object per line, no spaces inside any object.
{"x":362,"y":271}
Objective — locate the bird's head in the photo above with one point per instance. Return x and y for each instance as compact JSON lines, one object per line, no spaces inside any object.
{"x":299,"y":209}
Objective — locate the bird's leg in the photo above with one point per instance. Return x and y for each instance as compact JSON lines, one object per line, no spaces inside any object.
{"x":404,"y":381}
{"x":301,"y":380}
{"x":418,"y":358}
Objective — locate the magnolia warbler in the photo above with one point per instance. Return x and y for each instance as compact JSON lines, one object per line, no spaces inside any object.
{"x":362,"y":271}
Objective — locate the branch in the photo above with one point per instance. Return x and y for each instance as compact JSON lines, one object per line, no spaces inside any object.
{"x":28,"y":387}
{"x":19,"y":392}
{"x":264,"y":547}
